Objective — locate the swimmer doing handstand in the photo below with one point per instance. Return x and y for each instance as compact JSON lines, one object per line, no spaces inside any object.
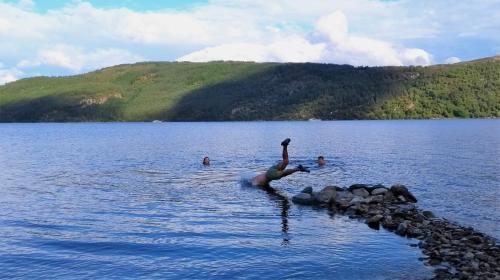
{"x":278,"y":171}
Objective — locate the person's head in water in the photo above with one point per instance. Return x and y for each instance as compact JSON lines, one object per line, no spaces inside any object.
{"x":206,"y":161}
{"x":321,"y":161}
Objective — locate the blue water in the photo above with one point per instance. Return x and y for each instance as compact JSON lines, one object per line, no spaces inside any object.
{"x":132,"y":200}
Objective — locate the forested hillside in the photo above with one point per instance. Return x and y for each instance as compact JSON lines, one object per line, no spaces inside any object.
{"x":218,"y":91}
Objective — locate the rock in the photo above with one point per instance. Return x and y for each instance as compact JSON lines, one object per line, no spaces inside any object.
{"x":402,"y":227}
{"x":379,"y":191}
{"x":428,"y":214}
{"x":343,"y":196}
{"x":469,"y":256}
{"x":308,"y":190}
{"x":358,"y":186}
{"x":339,"y":189}
{"x":357,"y":200}
{"x":343,"y":204}
{"x":326,"y":195}
{"x":413,"y":232}
{"x":376,"y":199}
{"x":388,"y":196}
{"x":402,"y":190}
{"x":351,"y":211}
{"x":388,"y":219}
{"x":374,"y":222}
{"x":475,"y":239}
{"x":303,"y":198}
{"x":401,"y":198}
{"x":482,"y":256}
{"x":435,"y":261}
{"x":361,"y":192}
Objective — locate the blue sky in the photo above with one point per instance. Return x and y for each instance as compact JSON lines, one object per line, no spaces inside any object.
{"x":69,"y":37}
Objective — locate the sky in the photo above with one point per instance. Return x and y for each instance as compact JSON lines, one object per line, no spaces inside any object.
{"x":68,"y":37}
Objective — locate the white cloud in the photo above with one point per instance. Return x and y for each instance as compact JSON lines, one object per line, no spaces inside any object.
{"x":453,"y":59}
{"x":378,"y":33}
{"x":9,"y":75}
{"x":292,"y":49}
{"x":330,"y":42}
{"x":76,"y":59}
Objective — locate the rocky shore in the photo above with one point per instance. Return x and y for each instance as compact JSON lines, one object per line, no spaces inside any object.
{"x":455,"y":252}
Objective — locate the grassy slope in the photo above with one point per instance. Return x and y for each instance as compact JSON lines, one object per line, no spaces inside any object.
{"x":249,"y":91}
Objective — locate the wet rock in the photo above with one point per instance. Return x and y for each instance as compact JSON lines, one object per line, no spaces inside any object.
{"x":351,"y":211}
{"x":428,"y":214}
{"x":435,"y":261}
{"x":326,"y":195}
{"x":343,"y":204}
{"x":360,"y":192}
{"x":442,"y":273}
{"x":303,"y":198}
{"x":401,"y":229}
{"x":379,"y":191}
{"x":389,"y":224}
{"x":308,"y":190}
{"x":398,"y":190}
{"x":374,"y":222}
{"x":358,"y":186}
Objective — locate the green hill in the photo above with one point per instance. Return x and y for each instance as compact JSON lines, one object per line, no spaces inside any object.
{"x":257,"y":91}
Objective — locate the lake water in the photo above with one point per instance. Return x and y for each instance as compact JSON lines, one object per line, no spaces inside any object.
{"x":132,"y":200}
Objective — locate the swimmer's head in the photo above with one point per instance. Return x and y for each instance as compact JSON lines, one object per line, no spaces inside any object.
{"x":321,"y":161}
{"x":206,"y":161}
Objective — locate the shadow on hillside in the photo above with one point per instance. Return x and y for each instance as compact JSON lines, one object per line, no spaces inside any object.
{"x":294,"y":91}
{"x":56,"y":108}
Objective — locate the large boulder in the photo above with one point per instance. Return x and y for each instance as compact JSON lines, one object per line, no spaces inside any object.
{"x":303,"y":198}
{"x":379,"y":191}
{"x":326,"y":195}
{"x":337,"y":188}
{"x":360,"y":192}
{"x":308,"y":190}
{"x":374,"y":221}
{"x":343,"y":196}
{"x":388,"y":196}
{"x":400,"y":190}
{"x":357,"y":200}
{"x":358,"y":186}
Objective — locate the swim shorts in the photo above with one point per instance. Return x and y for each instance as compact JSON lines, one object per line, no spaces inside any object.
{"x":273,"y":173}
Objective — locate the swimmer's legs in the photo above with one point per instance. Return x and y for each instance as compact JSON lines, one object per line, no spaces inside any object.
{"x":287,"y":172}
{"x":284,"y":154}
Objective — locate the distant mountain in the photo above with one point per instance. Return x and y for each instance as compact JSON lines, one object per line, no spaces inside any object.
{"x":223,"y":91}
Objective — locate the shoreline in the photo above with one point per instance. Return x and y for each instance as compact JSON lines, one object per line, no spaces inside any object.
{"x":454,"y":251}
{"x":244,"y":121}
